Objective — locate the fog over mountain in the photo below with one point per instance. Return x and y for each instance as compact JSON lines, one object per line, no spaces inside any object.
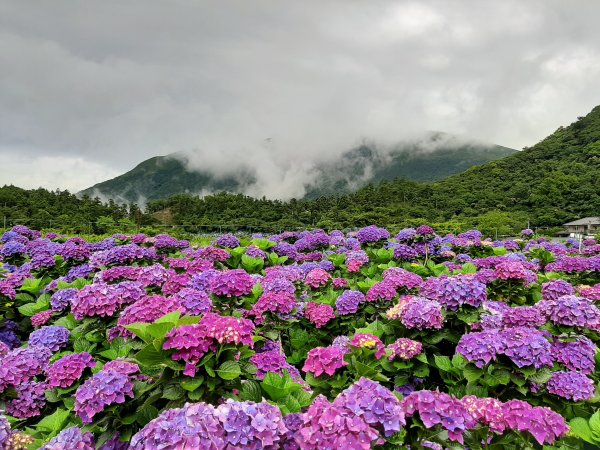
{"x":88,"y":90}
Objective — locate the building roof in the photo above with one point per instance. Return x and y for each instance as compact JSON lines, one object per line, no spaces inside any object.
{"x":585,"y":221}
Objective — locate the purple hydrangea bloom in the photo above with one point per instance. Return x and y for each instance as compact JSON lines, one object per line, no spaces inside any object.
{"x":348,"y":302}
{"x":68,"y":369}
{"x":554,"y":289}
{"x":194,"y":302}
{"x":12,"y":249}
{"x":96,"y":299}
{"x":526,"y":347}
{"x":30,"y":400}
{"x":22,"y":364}
{"x":193,"y":426}
{"x":250,"y":425}
{"x":327,"y":426}
{"x":567,"y":264}
{"x":522,"y":316}
{"x":572,"y":311}
{"x":455,"y":291}
{"x":571,"y":385}
{"x":105,"y":388}
{"x":576,"y":355}
{"x":405,"y":252}
{"x":407,"y":234}
{"x":272,"y":362}
{"x":255,"y":252}
{"x":71,"y":438}
{"x":52,"y":337}
{"x":4,"y":431}
{"x":438,"y":408}
{"x":60,"y":300}
{"x":227,"y":241}
{"x":421,"y":313}
{"x":401,"y":278}
{"x":232,"y":283}
{"x":372,"y":233}
{"x":375,"y":404}
{"x":480,"y":348}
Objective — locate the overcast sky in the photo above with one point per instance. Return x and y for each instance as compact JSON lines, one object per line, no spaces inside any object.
{"x":90,"y":89}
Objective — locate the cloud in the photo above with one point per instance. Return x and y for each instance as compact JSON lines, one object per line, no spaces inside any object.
{"x":272,"y":87}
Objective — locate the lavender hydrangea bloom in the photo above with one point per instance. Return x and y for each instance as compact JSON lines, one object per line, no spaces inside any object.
{"x":375,"y":404}
{"x":455,"y":291}
{"x":194,"y":302}
{"x":105,"y":388}
{"x":52,"y":337}
{"x":68,"y":369}
{"x":272,"y":362}
{"x":401,"y":278}
{"x":578,"y":355}
{"x":372,"y":233}
{"x":571,"y":385}
{"x":62,"y":299}
{"x":71,"y":438}
{"x":407,"y":234}
{"x":348,"y":302}
{"x":30,"y":400}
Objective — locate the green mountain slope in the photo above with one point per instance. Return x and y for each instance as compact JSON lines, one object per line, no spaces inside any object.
{"x":433,"y":157}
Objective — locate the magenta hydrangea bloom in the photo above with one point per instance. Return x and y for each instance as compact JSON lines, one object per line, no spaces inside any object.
{"x":232,"y":283}
{"x":375,"y":404}
{"x":319,"y":313}
{"x":553,"y":289}
{"x":324,"y":360}
{"x":273,"y":302}
{"x":590,"y":292}
{"x":438,"y":408}
{"x":382,"y":291}
{"x":96,"y":299}
{"x":571,"y":385}
{"x":105,"y":388}
{"x":22,"y":364}
{"x":571,"y":310}
{"x":192,"y":342}
{"x":370,"y":341}
{"x":68,"y":369}
{"x":421,"y":314}
{"x":30,"y":400}
{"x":339,"y":283}
{"x":317,"y":278}
{"x":424,"y":230}
{"x":512,"y":270}
{"x":455,"y":291}
{"x":4,"y":349}
{"x":327,"y":426}
{"x":272,"y":361}
{"x":487,"y":411}
{"x":578,"y":355}
{"x":41,"y":318}
{"x":348,"y":302}
{"x":147,"y":310}
{"x":404,"y":348}
{"x":542,"y":423}
{"x":71,"y":438}
{"x":52,"y":337}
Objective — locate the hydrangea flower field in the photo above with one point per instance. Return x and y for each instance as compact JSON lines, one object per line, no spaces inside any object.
{"x":301,"y":340}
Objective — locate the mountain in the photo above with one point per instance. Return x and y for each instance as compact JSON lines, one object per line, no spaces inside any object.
{"x":433,"y":156}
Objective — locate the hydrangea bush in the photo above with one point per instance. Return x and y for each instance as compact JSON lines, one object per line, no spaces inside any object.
{"x":299,"y":340}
